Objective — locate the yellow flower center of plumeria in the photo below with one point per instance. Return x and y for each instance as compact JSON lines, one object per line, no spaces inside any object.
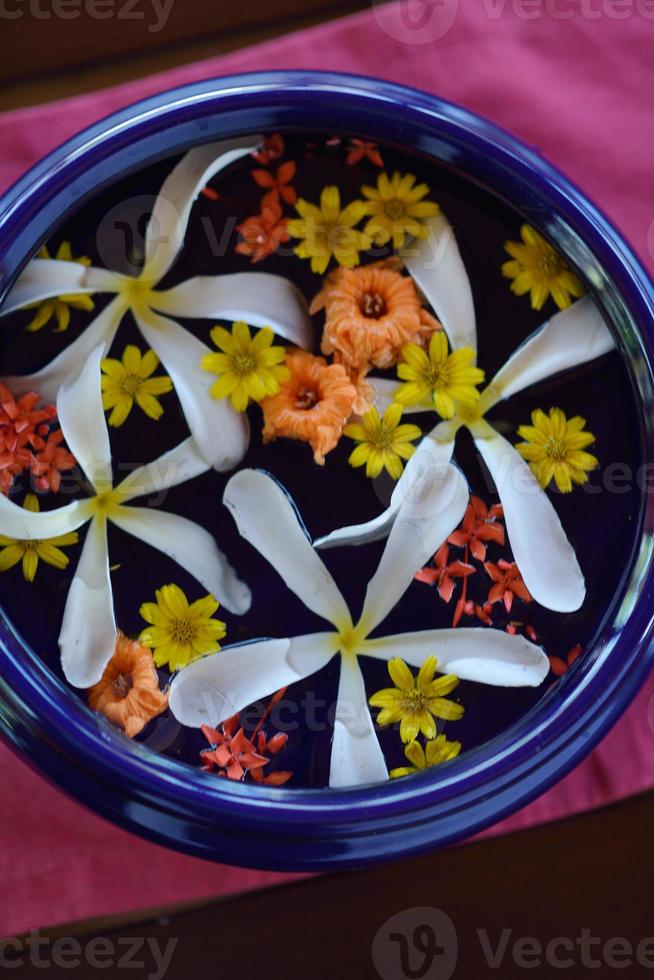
{"x":372,"y":305}
{"x":137,"y":291}
{"x":350,"y":640}
{"x":394,"y":209}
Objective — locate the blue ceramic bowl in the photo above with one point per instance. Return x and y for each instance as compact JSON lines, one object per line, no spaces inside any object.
{"x":316,"y":829}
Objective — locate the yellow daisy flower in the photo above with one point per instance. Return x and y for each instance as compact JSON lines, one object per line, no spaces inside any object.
{"x":130,"y":380}
{"x":437,"y":750}
{"x":247,"y":367}
{"x":328,"y":231}
{"x":537,"y":268}
{"x":415,"y":702}
{"x":180,"y":632}
{"x":397,"y":209}
{"x":49,"y":550}
{"x":382,"y":442}
{"x":438,"y":379}
{"x":554,"y":449}
{"x":59,"y":307}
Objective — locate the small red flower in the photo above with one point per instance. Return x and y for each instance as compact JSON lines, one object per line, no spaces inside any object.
{"x":232,"y":753}
{"x":479,"y":526}
{"x":22,"y":430}
{"x":507,"y":583}
{"x":559,"y":666}
{"x":278,"y":185}
{"x":262,"y":234}
{"x":273,"y":149}
{"x":48,"y":464}
{"x":444,"y":573}
{"x":360,"y":150}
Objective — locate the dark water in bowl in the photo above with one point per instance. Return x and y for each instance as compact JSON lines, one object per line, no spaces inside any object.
{"x":603,"y":527}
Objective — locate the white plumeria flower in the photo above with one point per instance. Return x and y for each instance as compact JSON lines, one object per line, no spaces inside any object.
{"x":541,"y":549}
{"x":259,"y":298}
{"x":218,"y":686}
{"x":88,"y":633}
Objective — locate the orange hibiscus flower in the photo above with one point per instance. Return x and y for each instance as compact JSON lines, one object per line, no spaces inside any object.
{"x":314,"y":405}
{"x":371,"y":312}
{"x":128,"y":693}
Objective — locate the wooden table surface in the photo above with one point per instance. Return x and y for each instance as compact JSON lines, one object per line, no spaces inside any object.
{"x":585,"y":886}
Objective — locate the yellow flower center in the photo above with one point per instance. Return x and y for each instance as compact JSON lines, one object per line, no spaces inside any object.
{"x":413,"y":702}
{"x":183,"y":631}
{"x":394,"y":209}
{"x":245,"y":364}
{"x":551,"y":263}
{"x":372,"y":305}
{"x":469,"y":414}
{"x":382,"y":438}
{"x":137,"y":292}
{"x":438,"y":375}
{"x":556,"y":449}
{"x":29,"y":545}
{"x":130,"y":384}
{"x":351,"y":640}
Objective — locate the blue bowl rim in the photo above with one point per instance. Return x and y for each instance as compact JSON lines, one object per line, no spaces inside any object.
{"x":313,"y":829}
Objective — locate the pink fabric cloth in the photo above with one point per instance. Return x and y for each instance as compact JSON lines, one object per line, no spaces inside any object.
{"x":578,"y":87}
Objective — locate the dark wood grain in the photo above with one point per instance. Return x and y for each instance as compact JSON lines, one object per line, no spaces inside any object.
{"x":592,"y":872}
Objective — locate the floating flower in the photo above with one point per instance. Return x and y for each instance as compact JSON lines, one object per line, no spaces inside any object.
{"x":370,"y":314}
{"x":50,"y":462}
{"x":278,"y":186}
{"x":248,"y":368}
{"x":397,"y":209}
{"x":439,"y":379}
{"x":23,"y":426}
{"x":554,"y":449}
{"x":538,"y":269}
{"x":507,"y":583}
{"x":258,"y":298}
{"x":179,"y":631}
{"x":436,"y":750}
{"x":382,"y":442}
{"x":88,"y":633}
{"x":128,"y":691}
{"x":575,"y":336}
{"x":444,"y":573}
{"x":313,"y":405}
{"x":262,"y":234}
{"x":59,"y":306}
{"x":362,"y":150}
{"x":272,"y":149}
{"x":328,"y":231}
{"x":12,"y":551}
{"x":130,"y":380}
{"x":479,"y":526}
{"x":416,"y":701}
{"x":559,"y":666}
{"x":232,"y":755}
{"x":219,"y":686}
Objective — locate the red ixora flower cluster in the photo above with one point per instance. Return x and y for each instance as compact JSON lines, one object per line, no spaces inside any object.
{"x":234,"y":755}
{"x":28,"y":442}
{"x":480,"y":527}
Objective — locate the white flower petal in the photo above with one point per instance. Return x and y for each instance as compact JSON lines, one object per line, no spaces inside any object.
{"x":544,"y":555}
{"x":356,"y":753}
{"x":421,"y":526}
{"x":192,"y":547}
{"x":81,"y":416}
{"x":222,"y":434}
{"x":214,"y":688}
{"x":259,"y":298}
{"x":386,"y":389}
{"x":167,"y":226}
{"x":88,"y":633}
{"x":25,"y":525}
{"x":180,"y":464}
{"x":429,"y":460}
{"x":46,"y":278}
{"x":572,"y":337}
{"x":66,"y":366}
{"x":266,"y":517}
{"x":488,"y":656}
{"x":435,"y":264}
